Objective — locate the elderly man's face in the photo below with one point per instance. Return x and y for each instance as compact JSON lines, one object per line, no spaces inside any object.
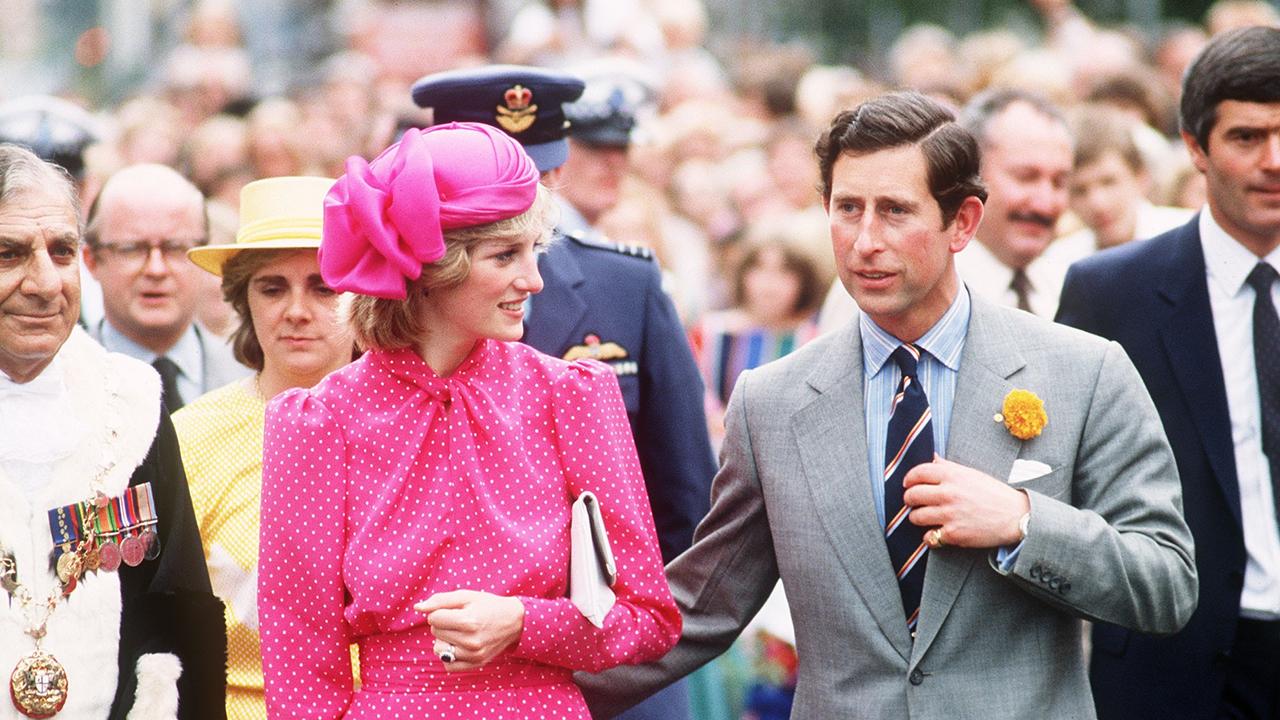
{"x":39,"y":280}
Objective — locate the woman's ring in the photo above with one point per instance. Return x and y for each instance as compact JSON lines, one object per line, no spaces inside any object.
{"x":448,"y":654}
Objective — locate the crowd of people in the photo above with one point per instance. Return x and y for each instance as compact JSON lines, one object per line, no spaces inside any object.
{"x":404,"y":315}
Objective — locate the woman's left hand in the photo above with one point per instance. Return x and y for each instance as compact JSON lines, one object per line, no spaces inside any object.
{"x":479,"y":625}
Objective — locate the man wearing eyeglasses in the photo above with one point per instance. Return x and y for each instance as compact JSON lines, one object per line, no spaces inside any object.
{"x":139,"y":230}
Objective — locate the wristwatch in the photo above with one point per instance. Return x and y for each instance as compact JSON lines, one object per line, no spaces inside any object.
{"x":1023,"y":522}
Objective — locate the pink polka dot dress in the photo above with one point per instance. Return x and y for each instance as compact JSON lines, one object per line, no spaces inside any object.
{"x":386,"y":483}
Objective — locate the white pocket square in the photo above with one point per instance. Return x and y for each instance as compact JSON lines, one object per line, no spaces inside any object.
{"x":1024,"y":470}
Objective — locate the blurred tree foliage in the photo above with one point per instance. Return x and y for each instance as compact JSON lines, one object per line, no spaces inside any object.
{"x":859,"y":32}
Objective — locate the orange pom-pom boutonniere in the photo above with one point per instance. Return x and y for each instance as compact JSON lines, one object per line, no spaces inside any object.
{"x":1023,"y":414}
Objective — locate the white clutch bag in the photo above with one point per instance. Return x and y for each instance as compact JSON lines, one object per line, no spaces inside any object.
{"x":592,"y":571}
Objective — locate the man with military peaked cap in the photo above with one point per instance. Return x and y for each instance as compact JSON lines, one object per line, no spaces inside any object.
{"x":601,"y":300}
{"x":525,"y":102}
{"x":600,"y":126}
{"x":54,"y":129}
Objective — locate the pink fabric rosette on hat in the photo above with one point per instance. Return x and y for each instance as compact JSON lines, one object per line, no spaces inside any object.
{"x":383,"y":220}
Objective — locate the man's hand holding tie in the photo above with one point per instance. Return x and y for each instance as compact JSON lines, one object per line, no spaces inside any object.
{"x":966,"y":508}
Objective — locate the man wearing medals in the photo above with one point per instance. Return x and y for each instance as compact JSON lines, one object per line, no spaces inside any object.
{"x":106,"y":609}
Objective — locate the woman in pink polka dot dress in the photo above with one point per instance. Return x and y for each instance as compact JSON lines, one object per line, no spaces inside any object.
{"x":417,"y":502}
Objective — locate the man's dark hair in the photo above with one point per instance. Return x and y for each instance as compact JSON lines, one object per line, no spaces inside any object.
{"x":1239,"y":65}
{"x":908,"y":118}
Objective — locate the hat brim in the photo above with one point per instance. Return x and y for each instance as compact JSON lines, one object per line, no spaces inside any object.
{"x":549,"y":155}
{"x":604,"y":139}
{"x":212,"y":257}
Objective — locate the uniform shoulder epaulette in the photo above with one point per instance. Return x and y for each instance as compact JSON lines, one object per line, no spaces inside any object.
{"x":600,"y":242}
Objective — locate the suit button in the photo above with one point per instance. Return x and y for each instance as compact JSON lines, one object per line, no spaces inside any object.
{"x":1035,"y":572}
{"x":916,"y":677}
{"x":1064,"y":588}
{"x":1054,"y":581}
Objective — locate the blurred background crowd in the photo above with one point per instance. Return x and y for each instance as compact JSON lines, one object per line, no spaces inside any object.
{"x":727,"y":98}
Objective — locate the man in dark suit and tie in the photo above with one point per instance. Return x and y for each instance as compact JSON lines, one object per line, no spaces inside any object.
{"x":137,"y":234}
{"x":1196,"y":310}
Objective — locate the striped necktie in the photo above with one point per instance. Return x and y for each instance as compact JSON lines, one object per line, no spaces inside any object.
{"x":909,"y":443}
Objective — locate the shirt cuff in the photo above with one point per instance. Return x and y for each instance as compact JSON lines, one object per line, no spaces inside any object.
{"x":1007,"y":557}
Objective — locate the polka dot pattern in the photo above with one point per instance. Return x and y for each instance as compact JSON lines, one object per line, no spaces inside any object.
{"x":386,"y":483}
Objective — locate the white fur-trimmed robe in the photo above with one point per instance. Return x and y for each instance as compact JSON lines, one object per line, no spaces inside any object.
{"x":115,"y":630}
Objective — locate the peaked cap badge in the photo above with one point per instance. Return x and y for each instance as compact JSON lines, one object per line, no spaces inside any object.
{"x":519,"y":112}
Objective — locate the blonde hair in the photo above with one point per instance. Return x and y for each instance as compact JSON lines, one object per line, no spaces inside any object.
{"x":383,"y":324}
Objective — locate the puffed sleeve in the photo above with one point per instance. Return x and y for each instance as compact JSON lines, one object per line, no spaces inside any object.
{"x":598,"y":454}
{"x":301,"y":596}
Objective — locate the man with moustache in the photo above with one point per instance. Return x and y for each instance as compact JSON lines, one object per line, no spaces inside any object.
{"x":140,"y":228}
{"x":946,"y":486}
{"x":1196,"y":310}
{"x":1026,"y":162}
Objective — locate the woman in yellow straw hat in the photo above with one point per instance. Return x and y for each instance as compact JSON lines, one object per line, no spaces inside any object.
{"x":290,"y":333}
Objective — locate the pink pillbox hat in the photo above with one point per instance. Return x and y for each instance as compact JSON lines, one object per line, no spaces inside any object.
{"x":384,"y":220}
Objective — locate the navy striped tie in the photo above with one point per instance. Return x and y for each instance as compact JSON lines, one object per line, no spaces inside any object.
{"x":909,"y":443}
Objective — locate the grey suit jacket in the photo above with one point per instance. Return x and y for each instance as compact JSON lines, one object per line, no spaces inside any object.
{"x":220,"y":365}
{"x":1107,"y":540}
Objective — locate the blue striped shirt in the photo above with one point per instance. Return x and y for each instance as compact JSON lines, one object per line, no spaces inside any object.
{"x":938,"y":366}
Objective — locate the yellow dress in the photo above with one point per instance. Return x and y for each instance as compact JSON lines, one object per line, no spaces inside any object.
{"x":220,"y":435}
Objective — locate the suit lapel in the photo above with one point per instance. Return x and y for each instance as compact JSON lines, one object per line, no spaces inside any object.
{"x":830,"y":432}
{"x":989,"y":359}
{"x":560,"y":307}
{"x":1189,"y":340}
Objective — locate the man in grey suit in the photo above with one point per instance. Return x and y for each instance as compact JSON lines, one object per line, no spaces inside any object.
{"x":139,"y":230}
{"x":1057,"y":501}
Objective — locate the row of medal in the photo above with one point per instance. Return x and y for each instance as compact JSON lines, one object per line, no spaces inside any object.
{"x":102,"y":533}
{"x":97,"y":534}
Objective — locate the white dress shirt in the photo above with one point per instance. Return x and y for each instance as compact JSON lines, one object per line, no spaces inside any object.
{"x":38,"y":427}
{"x":990,"y":279}
{"x":1227,"y":264}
